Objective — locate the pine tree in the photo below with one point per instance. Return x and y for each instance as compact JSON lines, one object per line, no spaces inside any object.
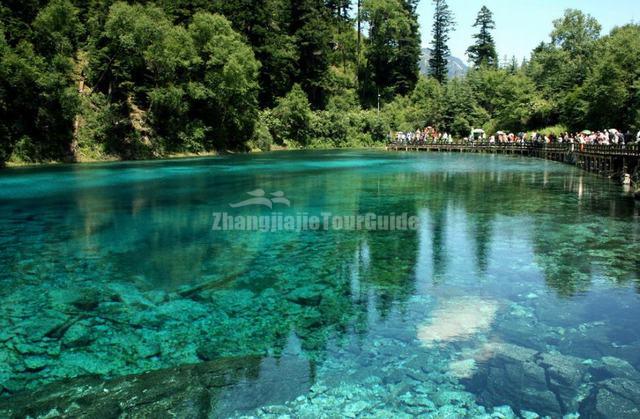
{"x":339,"y":8}
{"x":310,"y":27}
{"x":443,"y":23}
{"x":513,"y":66}
{"x":409,"y":52}
{"x":483,"y":52}
{"x":392,"y":50}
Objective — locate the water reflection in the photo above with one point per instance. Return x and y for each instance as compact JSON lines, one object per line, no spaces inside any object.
{"x":168,"y":219}
{"x":494,"y":231}
{"x":107,"y":225}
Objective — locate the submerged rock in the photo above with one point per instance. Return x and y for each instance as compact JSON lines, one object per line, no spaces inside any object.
{"x":546,"y":383}
{"x":50,"y":324}
{"x":146,"y":349}
{"x":564,"y":369}
{"x":565,"y":376}
{"x":529,"y":415}
{"x":503,"y":412}
{"x":458,"y":319}
{"x":614,"y":398}
{"x":208,"y":351}
{"x":36,"y":363}
{"x":463,"y":369}
{"x":157,"y":296}
{"x":78,"y":335}
{"x":457,"y":398}
{"x":307,"y":296}
{"x":84,"y":299}
{"x":609,"y":367}
{"x":30,"y":349}
{"x":352,"y":410}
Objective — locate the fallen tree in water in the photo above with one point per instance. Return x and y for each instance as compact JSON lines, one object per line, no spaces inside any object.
{"x":211,"y":389}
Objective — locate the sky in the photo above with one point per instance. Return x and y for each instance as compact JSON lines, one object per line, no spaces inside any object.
{"x":522,"y":24}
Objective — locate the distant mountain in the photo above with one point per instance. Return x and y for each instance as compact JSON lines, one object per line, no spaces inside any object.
{"x":456,"y":66}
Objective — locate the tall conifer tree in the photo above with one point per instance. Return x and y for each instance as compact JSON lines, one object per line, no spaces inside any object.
{"x":310,"y":27}
{"x":392,"y":50}
{"x":443,"y":24}
{"x":483,"y":52}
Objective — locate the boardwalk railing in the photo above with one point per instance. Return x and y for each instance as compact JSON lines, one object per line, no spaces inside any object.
{"x":612,"y":150}
{"x":606,"y":159}
{"x":602,"y":150}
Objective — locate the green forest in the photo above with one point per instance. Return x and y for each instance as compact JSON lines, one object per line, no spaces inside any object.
{"x":84,"y":80}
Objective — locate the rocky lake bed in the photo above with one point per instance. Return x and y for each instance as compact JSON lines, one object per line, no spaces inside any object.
{"x":521,"y":302}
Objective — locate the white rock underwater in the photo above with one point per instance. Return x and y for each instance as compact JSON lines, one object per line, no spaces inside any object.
{"x":458,"y":319}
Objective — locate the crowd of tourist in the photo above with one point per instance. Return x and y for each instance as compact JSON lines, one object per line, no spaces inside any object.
{"x":430,"y":135}
{"x":605,"y":137}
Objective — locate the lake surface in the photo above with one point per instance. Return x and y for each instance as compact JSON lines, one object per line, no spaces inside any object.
{"x":516,"y":294}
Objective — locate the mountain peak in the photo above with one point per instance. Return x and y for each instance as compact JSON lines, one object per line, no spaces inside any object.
{"x":455,"y":65}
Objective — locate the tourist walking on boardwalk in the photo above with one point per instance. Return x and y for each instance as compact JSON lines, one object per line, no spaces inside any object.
{"x":606,"y":137}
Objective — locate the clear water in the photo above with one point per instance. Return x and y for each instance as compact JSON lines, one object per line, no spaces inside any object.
{"x":517,"y":294}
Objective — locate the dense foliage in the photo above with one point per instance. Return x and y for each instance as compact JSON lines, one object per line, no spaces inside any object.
{"x":112,"y":79}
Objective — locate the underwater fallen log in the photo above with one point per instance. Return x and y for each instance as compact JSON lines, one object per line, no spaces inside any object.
{"x":211,"y":284}
{"x":59,"y":331}
{"x":218,"y":388}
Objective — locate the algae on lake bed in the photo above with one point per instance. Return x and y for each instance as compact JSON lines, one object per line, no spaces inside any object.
{"x":517,"y":295}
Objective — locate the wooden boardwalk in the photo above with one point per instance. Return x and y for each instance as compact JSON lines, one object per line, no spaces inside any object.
{"x":611,"y":160}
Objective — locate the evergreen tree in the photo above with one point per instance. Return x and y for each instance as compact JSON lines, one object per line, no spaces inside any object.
{"x":409,"y":52}
{"x":393,"y":50}
{"x":339,"y":8}
{"x":483,"y":52}
{"x":443,"y":24}
{"x":310,"y":29}
{"x":513,"y":65}
{"x":175,"y":87}
{"x":265,"y":26}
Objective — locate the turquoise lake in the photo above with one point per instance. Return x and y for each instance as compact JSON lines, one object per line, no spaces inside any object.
{"x":516,"y":295}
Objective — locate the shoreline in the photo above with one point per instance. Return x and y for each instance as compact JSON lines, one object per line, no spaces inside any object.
{"x":113,"y":159}
{"x":172,"y":156}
